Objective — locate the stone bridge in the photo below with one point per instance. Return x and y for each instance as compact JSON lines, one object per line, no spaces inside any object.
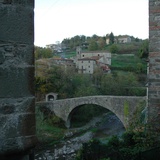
{"x":17,"y":113}
{"x":122,"y":106}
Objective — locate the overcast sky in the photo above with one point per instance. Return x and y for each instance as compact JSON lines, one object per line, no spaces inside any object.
{"x":59,"y":19}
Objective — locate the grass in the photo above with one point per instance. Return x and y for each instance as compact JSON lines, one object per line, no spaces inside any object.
{"x":128,"y":62}
{"x":70,"y":54}
{"x":124,"y":60}
{"x":46,"y":132}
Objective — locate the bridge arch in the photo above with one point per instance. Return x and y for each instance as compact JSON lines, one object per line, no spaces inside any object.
{"x":70,"y":115}
{"x":116,"y":104}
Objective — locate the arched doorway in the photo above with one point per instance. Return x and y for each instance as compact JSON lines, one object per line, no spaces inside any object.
{"x":51,"y":97}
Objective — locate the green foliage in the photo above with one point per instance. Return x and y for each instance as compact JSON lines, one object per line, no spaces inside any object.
{"x":101,"y":43}
{"x":128,"y":139}
{"x":42,"y":53}
{"x":111,"y":38}
{"x":127,"y":48}
{"x":129,"y":63}
{"x":68,"y":83}
{"x":70,"y":54}
{"x":85,"y":113}
{"x":114,"y":142}
{"x":46,"y":131}
{"x":139,"y":67}
{"x":125,"y":147}
{"x":72,"y":43}
{"x":120,"y":83}
{"x":144,"y":49}
{"x":93,"y":150}
{"x":138,"y":123}
{"x":133,"y":144}
{"x":126,"y":110}
{"x":113,"y":48}
{"x":93,"y":46}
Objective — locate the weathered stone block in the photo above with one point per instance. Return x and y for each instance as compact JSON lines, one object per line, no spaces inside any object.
{"x":154,"y":66}
{"x":154,"y":47}
{"x":16,"y":82}
{"x":2,"y":57}
{"x":20,"y":105}
{"x":16,"y":55}
{"x":17,"y":118}
{"x":17,"y":24}
{"x":17,"y":125}
{"x":154,"y":100}
{"x":17,"y":145}
{"x":23,"y":2}
{"x":155,"y":112}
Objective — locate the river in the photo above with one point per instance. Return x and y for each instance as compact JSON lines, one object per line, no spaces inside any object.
{"x":99,"y":127}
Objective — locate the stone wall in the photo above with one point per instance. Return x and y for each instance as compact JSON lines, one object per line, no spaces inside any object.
{"x":154,"y":65}
{"x":17,"y":105}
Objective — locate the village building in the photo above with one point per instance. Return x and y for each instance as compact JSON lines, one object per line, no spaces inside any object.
{"x":56,"y":48}
{"x":123,"y":39}
{"x":88,"y":61}
{"x":119,"y":39}
{"x":85,"y":62}
{"x":42,"y":65}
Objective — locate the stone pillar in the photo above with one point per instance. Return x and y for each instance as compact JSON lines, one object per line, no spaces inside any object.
{"x":154,"y":66}
{"x":17,"y":101}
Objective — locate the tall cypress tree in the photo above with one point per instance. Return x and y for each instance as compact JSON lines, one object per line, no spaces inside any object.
{"x":111,"y":38}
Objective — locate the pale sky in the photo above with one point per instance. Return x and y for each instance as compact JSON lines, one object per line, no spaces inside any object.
{"x":59,"y":19}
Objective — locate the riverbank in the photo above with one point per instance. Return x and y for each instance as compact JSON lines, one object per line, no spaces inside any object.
{"x":99,"y":127}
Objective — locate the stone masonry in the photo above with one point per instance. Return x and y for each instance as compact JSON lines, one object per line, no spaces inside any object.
{"x":17,"y":111}
{"x":154,"y":66}
{"x":17,"y":101}
{"x":117,"y":104}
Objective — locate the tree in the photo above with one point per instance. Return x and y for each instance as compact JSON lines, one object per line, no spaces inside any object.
{"x":111,"y":38}
{"x":95,"y":37}
{"x":101,"y":43}
{"x":93,"y":45}
{"x":113,"y":48}
{"x":42,"y":52}
{"x":144,"y":49}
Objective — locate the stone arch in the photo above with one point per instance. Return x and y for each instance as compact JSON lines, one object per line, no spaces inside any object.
{"x":68,"y":118}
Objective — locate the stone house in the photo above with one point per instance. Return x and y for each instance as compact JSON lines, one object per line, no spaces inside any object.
{"x":87,"y":65}
{"x":120,"y":39}
{"x":123,"y":39}
{"x":55,"y":47}
{"x":87,"y":62}
{"x":42,"y":65}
